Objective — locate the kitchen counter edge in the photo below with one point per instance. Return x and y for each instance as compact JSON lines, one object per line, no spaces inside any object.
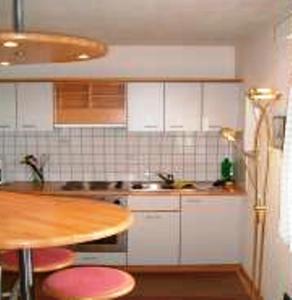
{"x":55,"y":189}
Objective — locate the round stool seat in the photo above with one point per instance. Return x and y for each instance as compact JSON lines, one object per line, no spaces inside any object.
{"x":44,"y":260}
{"x":90,"y":283}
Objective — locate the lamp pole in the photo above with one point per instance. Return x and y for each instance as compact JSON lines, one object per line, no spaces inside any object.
{"x":262,"y":169}
{"x":18,"y":15}
{"x":263,"y":100}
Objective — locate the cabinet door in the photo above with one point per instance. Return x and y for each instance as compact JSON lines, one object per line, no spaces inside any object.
{"x":222,"y":106}
{"x":85,"y":103}
{"x":145,"y":106}
{"x":154,"y":239}
{"x":212,"y":230}
{"x":8,"y":106}
{"x":35,"y":106}
{"x":183,"y":106}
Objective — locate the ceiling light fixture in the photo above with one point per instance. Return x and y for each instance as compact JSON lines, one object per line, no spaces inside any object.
{"x":38,"y":48}
{"x":10,"y":44}
{"x":83,"y":56}
{"x":5,"y":63}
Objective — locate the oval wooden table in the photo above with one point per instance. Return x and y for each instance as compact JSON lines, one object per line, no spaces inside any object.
{"x":30,"y":221}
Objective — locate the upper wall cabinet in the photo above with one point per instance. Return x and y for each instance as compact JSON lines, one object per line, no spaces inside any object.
{"x":26,"y":106}
{"x":90,"y":104}
{"x":8,"y":106}
{"x":35,"y":106}
{"x":159,"y":106}
{"x":183,"y":106}
{"x":222,"y":106}
{"x":145,"y":106}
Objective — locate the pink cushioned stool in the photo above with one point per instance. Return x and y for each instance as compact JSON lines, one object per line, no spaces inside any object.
{"x":44,"y":260}
{"x":90,"y":283}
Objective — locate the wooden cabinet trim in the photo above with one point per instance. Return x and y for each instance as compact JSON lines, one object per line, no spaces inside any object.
{"x":123,"y":79}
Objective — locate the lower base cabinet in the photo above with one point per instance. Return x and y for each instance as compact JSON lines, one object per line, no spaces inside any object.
{"x":154,"y":239}
{"x":193,"y":230}
{"x":212,"y":230}
{"x":100,"y":258}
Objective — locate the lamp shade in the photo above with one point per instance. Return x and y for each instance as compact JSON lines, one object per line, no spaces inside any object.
{"x":230,"y":134}
{"x":260,"y":95}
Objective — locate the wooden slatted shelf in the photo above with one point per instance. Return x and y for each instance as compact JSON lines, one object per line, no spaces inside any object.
{"x":90,"y":103}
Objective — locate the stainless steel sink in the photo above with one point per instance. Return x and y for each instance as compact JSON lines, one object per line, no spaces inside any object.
{"x":156,"y":186}
{"x":150,"y":186}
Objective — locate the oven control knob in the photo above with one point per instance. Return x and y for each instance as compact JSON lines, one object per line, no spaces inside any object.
{"x":117,"y":202}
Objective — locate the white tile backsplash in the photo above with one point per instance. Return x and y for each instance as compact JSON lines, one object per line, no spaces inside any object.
{"x":114,"y":154}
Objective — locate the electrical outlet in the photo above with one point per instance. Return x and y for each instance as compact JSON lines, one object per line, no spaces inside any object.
{"x":287,"y":297}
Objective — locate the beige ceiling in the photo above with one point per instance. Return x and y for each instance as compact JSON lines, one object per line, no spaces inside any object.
{"x":160,"y":22}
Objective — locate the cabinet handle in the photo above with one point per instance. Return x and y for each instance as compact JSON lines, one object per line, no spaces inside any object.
{"x":153,"y":217}
{"x":4,"y":126}
{"x":28,"y":126}
{"x":150,"y":126}
{"x":176,"y":126}
{"x":194,"y":201}
{"x":88,"y":258}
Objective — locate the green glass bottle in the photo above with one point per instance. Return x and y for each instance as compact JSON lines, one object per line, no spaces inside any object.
{"x":226,"y":170}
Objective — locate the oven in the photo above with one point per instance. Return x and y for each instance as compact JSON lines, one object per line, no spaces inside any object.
{"x":111,"y":250}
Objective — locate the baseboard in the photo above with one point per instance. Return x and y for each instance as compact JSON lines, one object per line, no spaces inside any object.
{"x":183,"y":268}
{"x":248,"y":284}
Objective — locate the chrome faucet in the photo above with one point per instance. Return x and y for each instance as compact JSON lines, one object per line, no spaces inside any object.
{"x":167,"y":178}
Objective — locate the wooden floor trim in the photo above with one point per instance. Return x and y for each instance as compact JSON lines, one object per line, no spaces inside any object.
{"x":248,"y":284}
{"x":183,"y":269}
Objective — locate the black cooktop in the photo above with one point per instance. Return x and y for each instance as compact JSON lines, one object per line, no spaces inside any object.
{"x":91,"y":185}
{"x":73,"y":186}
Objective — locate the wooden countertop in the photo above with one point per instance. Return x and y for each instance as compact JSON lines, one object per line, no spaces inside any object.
{"x":36,"y":220}
{"x":54,"y":188}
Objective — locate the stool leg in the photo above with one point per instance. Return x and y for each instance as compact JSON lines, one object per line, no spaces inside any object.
{"x":1,"y":283}
{"x":15,"y":290}
{"x":26,"y":274}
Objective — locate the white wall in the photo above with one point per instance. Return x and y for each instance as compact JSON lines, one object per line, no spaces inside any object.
{"x":262,"y":63}
{"x":141,"y":61}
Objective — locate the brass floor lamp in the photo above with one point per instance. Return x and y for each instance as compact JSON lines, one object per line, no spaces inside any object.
{"x":257,"y":168}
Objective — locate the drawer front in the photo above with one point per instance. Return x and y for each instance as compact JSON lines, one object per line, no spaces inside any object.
{"x":113,"y":259}
{"x":154,"y":203}
{"x":188,"y":202}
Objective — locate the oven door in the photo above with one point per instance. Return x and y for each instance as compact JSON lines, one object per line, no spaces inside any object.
{"x":114,"y":243}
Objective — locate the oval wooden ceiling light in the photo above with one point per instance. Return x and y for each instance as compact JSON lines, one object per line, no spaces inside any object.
{"x":21,"y":47}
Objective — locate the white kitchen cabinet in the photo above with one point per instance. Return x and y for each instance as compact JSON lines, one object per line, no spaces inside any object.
{"x":26,"y":106}
{"x":154,"y":203}
{"x":154,"y":239}
{"x":183,"y":103}
{"x":100,"y":258}
{"x":145,"y":106}
{"x":7,"y":106}
{"x":35,"y":106}
{"x":212,"y":229}
{"x":222,"y":106}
